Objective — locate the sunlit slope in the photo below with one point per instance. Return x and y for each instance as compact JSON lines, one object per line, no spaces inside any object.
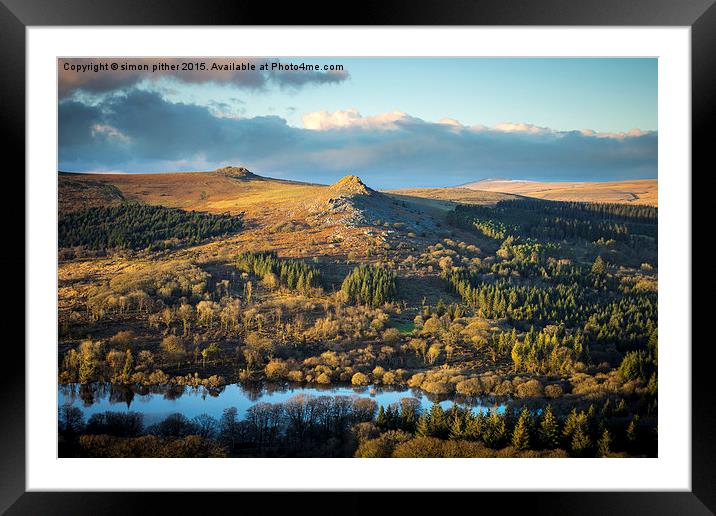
{"x":446,"y":198}
{"x":644,"y":191}
{"x":230,"y":189}
{"x":263,"y":201}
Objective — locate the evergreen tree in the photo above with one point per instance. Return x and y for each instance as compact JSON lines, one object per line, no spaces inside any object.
{"x":580,"y":441}
{"x":521,"y":432}
{"x":137,"y":226}
{"x":457,"y":426}
{"x":438,"y":421}
{"x":548,"y":429}
{"x":380,"y":419}
{"x":603,"y":445}
{"x":87,"y":369}
{"x":371,"y":285}
{"x":631,"y":431}
{"x":423,"y":427}
{"x":128,"y":369}
{"x":408,"y":414}
{"x":599,"y":267}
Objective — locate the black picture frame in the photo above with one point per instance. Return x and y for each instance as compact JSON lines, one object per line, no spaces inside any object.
{"x":17,"y":15}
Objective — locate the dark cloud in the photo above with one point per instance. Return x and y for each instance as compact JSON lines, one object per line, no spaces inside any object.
{"x":141,"y":132}
{"x":78,"y":74}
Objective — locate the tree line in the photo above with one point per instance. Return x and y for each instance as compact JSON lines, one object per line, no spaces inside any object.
{"x":589,"y":432}
{"x":294,"y":274}
{"x":138,"y":226}
{"x":370,"y":285}
{"x":554,"y":220}
{"x":584,"y":301}
{"x":345,"y":426}
{"x":303,"y":425}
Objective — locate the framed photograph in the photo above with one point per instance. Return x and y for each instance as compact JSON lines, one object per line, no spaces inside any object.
{"x":440,"y":249}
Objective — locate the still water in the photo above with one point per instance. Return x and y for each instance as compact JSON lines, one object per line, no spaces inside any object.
{"x":157,"y":402}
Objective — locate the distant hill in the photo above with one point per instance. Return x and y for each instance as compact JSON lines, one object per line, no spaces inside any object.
{"x":235,"y":190}
{"x":641,"y":191}
{"x":225,"y":190}
{"x":445,"y":198}
{"x":236,"y":173}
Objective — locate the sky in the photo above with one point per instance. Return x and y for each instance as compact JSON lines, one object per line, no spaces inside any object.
{"x":395,"y":122}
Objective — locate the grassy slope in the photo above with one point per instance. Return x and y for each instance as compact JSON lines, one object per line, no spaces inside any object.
{"x":643,"y":191}
{"x":203,"y":191}
{"x":444,"y":199}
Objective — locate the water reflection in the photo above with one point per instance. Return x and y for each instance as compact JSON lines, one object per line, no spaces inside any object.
{"x":156,"y":401}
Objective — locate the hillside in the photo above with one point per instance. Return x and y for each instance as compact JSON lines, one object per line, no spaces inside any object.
{"x":293,"y":218}
{"x":643,"y":191}
{"x":228,"y":189}
{"x":445,"y":198}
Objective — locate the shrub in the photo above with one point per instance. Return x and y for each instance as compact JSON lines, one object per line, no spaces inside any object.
{"x":391,"y":336}
{"x":416,"y":380}
{"x":530,"y":389}
{"x":383,"y":445}
{"x":378,"y":373}
{"x":388,"y":378}
{"x":276,"y":370}
{"x":553,"y":390}
{"x":360,"y":379}
{"x":504,"y":389}
{"x":158,"y":377}
{"x":469,"y":387}
{"x":437,"y":387}
{"x":295,"y":376}
{"x":323,"y":378}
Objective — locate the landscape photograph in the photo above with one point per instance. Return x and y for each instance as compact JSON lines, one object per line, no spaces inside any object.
{"x":357,"y":257}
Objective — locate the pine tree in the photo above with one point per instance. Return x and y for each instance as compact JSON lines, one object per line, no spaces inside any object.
{"x":521,"y":433}
{"x":457,"y":428}
{"x":408,"y":417}
{"x":599,"y":267}
{"x":621,"y":407}
{"x":128,"y":370}
{"x":603,"y":444}
{"x":423,"y":427}
{"x":438,"y":421}
{"x":549,"y":429}
{"x":87,"y":369}
{"x":580,"y":441}
{"x":631,"y":431}
{"x":440,"y":308}
{"x":570,"y":425}
{"x":380,"y":419}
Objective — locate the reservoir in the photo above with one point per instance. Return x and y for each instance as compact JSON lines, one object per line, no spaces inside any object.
{"x":157,"y":402}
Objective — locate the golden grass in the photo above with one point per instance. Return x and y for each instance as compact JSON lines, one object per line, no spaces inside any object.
{"x":201,"y":191}
{"x":445,"y":198}
{"x":642,"y":191}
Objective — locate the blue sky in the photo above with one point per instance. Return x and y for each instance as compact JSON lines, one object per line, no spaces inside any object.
{"x":395,"y":122}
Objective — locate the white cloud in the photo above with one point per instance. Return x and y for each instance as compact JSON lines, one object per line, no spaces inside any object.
{"x":110,"y":133}
{"x":511,"y":127}
{"x":351,"y":118}
{"x":450,"y":121}
{"x":631,"y":133}
{"x":388,"y":149}
{"x":393,"y":120}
